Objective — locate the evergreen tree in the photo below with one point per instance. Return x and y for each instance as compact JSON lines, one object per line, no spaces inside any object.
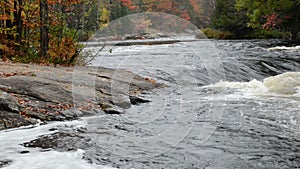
{"x":227,"y":18}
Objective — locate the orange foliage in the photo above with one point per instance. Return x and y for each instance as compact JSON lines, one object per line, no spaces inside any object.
{"x":63,"y":52}
{"x":20,"y":25}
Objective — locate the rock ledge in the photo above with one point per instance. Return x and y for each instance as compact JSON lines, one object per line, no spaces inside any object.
{"x":32,"y":93}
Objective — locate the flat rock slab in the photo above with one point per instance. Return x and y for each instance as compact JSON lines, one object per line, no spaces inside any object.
{"x":30,"y":93}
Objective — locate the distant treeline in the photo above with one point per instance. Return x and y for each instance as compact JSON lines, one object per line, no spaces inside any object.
{"x":48,"y":31}
{"x":255,"y":19}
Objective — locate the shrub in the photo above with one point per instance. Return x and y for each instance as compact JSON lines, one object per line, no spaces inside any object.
{"x":216,"y":34}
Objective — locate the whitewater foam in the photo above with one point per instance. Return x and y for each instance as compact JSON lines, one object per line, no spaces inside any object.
{"x":284,"y":48}
{"x":10,"y":148}
{"x":287,"y":84}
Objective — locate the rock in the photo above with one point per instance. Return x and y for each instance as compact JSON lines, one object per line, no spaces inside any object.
{"x":24,"y":152}
{"x":45,"y":117}
{"x":4,"y":163}
{"x":59,"y":141}
{"x":135,"y":100}
{"x":12,"y":120}
{"x":145,"y":36}
{"x":40,"y":89}
{"x":7,"y":103}
{"x":72,"y":113}
{"x":64,"y":93}
{"x":114,"y":110}
{"x":121,"y":101}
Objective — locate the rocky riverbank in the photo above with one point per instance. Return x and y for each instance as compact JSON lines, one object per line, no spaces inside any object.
{"x":32,"y":94}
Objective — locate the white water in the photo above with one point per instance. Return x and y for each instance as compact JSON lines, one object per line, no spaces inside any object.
{"x":286,"y":84}
{"x":284,"y":48}
{"x":10,"y":148}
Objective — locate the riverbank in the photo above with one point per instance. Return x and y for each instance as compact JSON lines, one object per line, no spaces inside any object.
{"x":212,"y":33}
{"x":31,"y":94}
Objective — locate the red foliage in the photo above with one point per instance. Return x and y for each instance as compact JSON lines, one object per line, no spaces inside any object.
{"x":272,"y":21}
{"x":185,"y":16}
{"x":126,"y":3}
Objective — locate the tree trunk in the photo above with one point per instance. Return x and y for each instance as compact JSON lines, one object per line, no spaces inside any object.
{"x":44,"y":41}
{"x":8,"y":24}
{"x":18,"y":20}
{"x":296,"y":26}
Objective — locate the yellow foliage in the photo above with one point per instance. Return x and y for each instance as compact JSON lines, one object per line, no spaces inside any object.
{"x":104,"y":18}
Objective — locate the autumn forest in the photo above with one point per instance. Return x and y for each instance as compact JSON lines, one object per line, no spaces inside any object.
{"x":48,"y":31}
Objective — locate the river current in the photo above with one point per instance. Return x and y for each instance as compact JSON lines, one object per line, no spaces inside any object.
{"x":225,"y":104}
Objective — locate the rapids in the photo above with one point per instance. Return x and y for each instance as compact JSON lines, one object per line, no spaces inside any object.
{"x":226,"y":104}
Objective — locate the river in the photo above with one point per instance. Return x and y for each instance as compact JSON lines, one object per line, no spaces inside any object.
{"x":225,"y":104}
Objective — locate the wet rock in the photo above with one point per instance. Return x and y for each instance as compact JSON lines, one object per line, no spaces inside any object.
{"x":24,"y":152}
{"x":135,"y":100}
{"x":121,"y":128}
{"x":4,"y":163}
{"x":53,"y":129}
{"x":114,"y":110}
{"x":59,"y":141}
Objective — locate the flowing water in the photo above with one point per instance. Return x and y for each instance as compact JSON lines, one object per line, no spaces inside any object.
{"x":225,"y":104}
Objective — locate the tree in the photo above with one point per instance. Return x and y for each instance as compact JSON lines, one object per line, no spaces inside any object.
{"x":227,"y":18}
{"x":11,"y":27}
{"x":44,"y":39}
{"x":201,"y":12}
{"x":18,"y":19}
{"x":280,"y":14}
{"x":41,"y":30}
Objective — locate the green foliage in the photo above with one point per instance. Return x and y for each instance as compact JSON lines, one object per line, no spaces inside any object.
{"x":266,"y":34}
{"x":117,"y":10}
{"x":31,"y":56}
{"x":227,"y":18}
{"x":216,"y":34}
{"x":270,"y":14}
